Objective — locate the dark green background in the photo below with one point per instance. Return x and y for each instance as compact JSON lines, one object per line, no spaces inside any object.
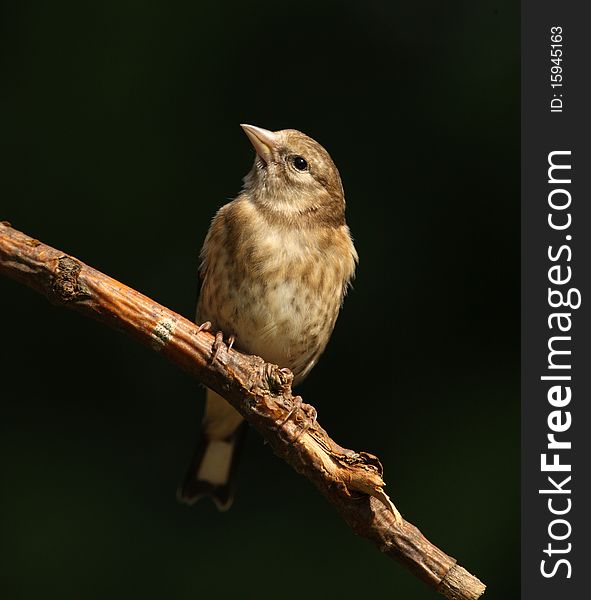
{"x":120,"y":139}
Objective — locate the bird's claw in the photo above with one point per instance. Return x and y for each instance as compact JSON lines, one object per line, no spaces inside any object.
{"x":204,"y":326}
{"x":219,"y":343}
{"x":308,"y":410}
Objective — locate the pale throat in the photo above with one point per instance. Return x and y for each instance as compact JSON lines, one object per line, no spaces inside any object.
{"x":288,"y":201}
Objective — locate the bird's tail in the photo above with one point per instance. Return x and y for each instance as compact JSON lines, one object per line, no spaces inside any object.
{"x":216,"y":456}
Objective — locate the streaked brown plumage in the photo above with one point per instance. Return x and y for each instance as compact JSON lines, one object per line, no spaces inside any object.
{"x":275,"y":266}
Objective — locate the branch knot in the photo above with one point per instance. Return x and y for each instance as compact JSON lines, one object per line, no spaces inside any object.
{"x":65,"y":286}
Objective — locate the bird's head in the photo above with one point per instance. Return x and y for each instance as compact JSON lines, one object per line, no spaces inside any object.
{"x":293,"y":177}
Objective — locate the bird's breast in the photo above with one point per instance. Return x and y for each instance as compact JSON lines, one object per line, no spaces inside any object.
{"x":278,"y":292}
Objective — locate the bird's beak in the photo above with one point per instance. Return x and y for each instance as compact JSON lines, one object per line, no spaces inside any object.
{"x":265,"y":142}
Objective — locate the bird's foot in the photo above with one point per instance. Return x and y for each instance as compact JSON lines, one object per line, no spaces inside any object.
{"x":297,"y":404}
{"x":219,"y":343}
{"x":309,"y":411}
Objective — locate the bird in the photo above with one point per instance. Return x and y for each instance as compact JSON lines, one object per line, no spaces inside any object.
{"x":275,"y":266}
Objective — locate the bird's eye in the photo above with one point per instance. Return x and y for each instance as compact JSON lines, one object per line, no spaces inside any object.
{"x":300,"y":163}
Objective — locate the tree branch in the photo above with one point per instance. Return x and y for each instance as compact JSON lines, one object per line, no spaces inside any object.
{"x":261,"y":392}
